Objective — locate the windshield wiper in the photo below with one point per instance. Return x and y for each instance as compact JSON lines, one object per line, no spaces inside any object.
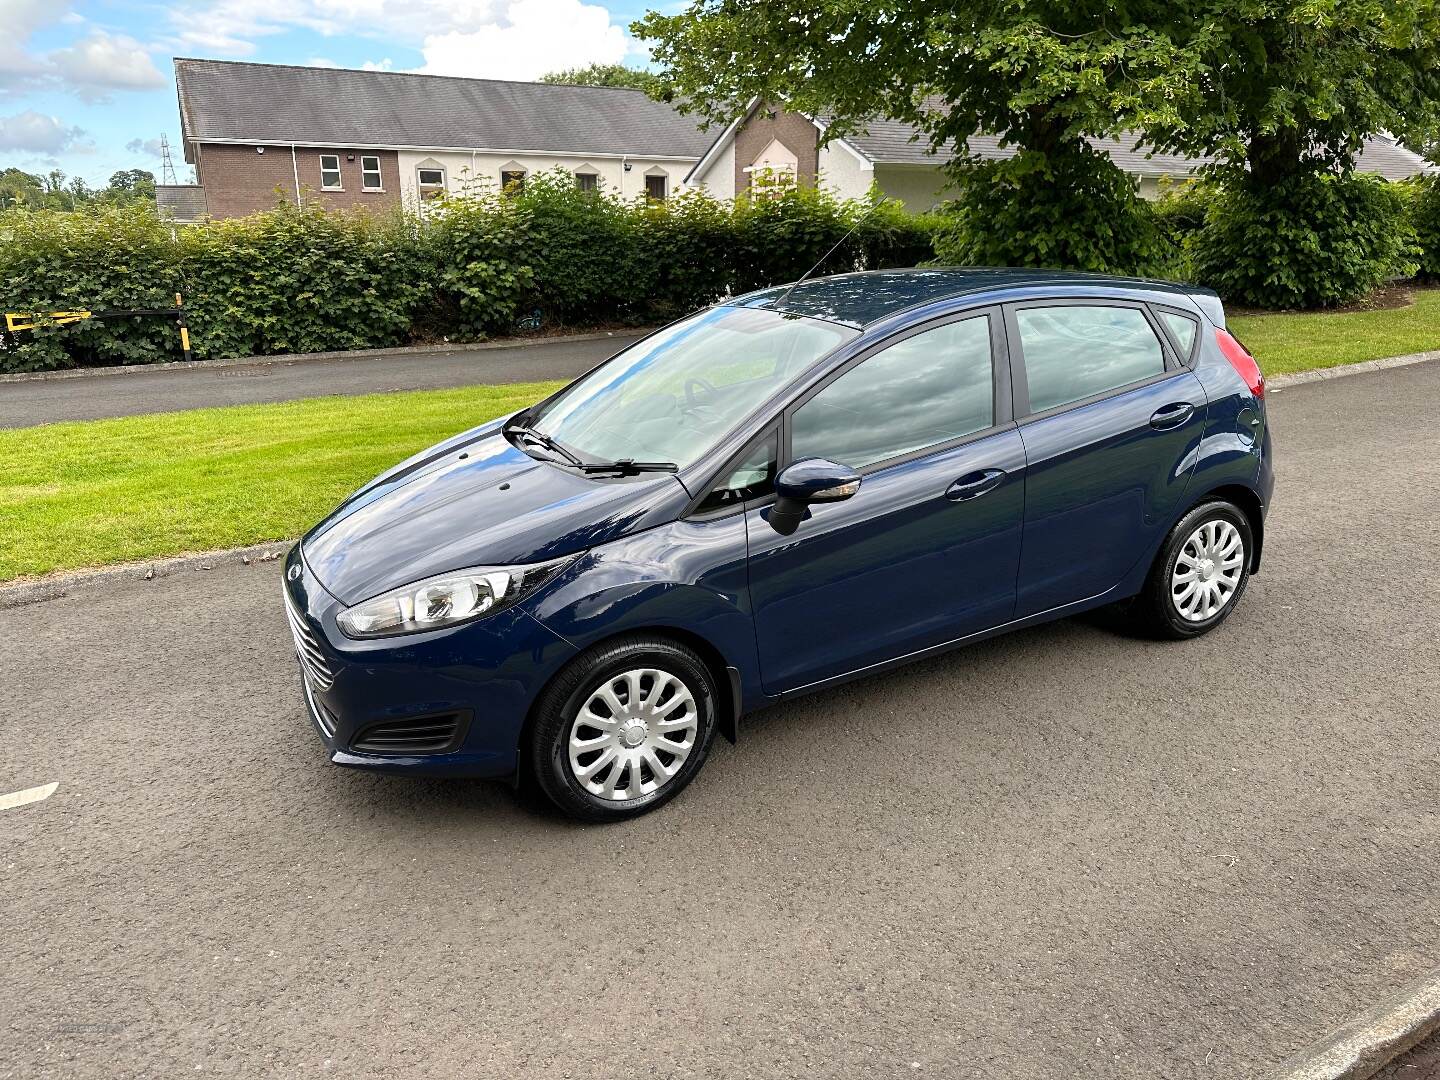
{"x":545,"y":441}
{"x":623,"y":467}
{"x":628,"y":467}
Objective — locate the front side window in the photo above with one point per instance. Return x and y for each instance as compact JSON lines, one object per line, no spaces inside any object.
{"x":511,"y":180}
{"x":330,"y":172}
{"x":674,"y":395}
{"x":1074,"y":351}
{"x":370,"y":172}
{"x":587,"y":181}
{"x":655,"y":187}
{"x":753,"y":477}
{"x":930,"y":388}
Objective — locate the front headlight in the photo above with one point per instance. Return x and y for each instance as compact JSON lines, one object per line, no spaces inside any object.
{"x":447,"y":599}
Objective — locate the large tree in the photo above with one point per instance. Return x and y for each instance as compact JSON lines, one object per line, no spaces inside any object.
{"x":1295,"y":86}
{"x":1042,"y":74}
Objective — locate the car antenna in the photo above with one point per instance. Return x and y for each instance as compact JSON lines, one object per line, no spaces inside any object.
{"x":779,"y":304}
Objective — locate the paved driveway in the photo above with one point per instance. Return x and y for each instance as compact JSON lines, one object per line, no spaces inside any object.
{"x":166,"y":389}
{"x":1060,"y":854}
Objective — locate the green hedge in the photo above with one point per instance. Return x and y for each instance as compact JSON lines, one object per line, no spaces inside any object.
{"x":301,"y":280}
{"x":1314,"y":240}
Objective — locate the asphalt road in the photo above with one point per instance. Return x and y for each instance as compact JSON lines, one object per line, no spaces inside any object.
{"x":1061,"y":854}
{"x":167,"y":389}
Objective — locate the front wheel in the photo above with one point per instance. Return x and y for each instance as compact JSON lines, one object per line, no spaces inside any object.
{"x":1199,"y":575}
{"x":623,"y":729}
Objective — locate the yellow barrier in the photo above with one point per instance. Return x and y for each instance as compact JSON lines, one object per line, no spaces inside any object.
{"x":12,"y":318}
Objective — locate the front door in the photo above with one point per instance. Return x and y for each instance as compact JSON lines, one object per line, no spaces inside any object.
{"x":1111,"y":422}
{"x":927,"y":550}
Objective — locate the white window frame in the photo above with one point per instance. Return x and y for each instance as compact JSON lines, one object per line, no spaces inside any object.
{"x":427,"y":190}
{"x":339,"y":184}
{"x":587,"y":174}
{"x":365,"y":172}
{"x":664,"y":179}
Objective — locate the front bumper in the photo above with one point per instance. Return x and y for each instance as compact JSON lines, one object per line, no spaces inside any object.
{"x":482,"y":675}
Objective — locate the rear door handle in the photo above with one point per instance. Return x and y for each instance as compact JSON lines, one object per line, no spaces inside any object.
{"x":1172,"y":415}
{"x":973,"y":485}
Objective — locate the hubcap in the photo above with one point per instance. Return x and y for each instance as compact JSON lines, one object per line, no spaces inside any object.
{"x":1207,"y":571}
{"x":633,"y":734}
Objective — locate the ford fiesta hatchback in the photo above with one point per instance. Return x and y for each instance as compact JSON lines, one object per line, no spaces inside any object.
{"x":776,"y":494}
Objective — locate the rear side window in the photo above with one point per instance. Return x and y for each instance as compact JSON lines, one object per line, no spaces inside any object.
{"x":1183,"y":328}
{"x":927,"y":389}
{"x":1076,"y":351}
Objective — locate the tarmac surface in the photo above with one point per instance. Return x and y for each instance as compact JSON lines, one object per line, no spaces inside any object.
{"x":1063,"y":853}
{"x":171,"y":388}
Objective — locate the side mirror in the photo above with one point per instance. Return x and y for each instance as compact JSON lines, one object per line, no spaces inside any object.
{"x":801,"y":483}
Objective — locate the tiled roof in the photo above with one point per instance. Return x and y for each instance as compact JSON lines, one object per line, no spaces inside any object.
{"x":269,"y":103}
{"x":888,"y":142}
{"x":180,"y":202}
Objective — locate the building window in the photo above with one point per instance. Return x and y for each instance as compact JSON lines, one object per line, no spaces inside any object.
{"x":587,"y":181}
{"x":330,"y":172}
{"x":370,"y":173}
{"x":431,"y":182}
{"x":512,"y":180}
{"x":655,"y":186}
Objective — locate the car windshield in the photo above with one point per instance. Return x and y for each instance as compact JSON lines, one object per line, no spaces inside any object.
{"x":673,"y":396}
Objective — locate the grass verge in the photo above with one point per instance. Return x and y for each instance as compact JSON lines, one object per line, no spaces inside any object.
{"x":108,"y":491}
{"x":1302,"y":341}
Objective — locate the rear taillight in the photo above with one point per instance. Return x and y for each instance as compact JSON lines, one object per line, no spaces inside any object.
{"x":1241,"y":360}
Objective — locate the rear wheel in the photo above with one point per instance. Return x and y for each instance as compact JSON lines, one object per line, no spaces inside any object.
{"x":1199,"y":575}
{"x":623,"y":729}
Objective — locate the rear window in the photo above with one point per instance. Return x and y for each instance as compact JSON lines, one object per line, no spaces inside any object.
{"x":1075,"y":351}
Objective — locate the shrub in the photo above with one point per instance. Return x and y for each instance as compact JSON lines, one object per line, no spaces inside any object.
{"x":686,"y":245}
{"x":1313,"y":240}
{"x":109,"y":258}
{"x":1424,"y":198}
{"x":1092,"y":219}
{"x":302,"y":280}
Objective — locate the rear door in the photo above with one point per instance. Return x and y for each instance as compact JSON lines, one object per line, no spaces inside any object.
{"x":1111,"y":421}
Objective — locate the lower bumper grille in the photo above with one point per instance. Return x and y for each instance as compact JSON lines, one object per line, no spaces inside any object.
{"x":419,"y":735}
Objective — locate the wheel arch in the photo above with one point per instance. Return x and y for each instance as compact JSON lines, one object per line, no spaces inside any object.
{"x":1247,"y":501}
{"x":728,"y":690}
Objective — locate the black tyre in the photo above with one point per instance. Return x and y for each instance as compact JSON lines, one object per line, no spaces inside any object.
{"x":623,"y":729}
{"x":1199,"y":575}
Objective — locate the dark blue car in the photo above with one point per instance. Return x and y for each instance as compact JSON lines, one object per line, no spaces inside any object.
{"x":771,"y":496}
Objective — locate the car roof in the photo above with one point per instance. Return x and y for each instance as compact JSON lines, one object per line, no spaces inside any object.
{"x":863,"y":298}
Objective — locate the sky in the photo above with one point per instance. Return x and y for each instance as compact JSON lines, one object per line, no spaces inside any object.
{"x":88,"y":86}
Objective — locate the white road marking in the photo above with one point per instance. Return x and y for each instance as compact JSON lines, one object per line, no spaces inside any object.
{"x":29,"y":795}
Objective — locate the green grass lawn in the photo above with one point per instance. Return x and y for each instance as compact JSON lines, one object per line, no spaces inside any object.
{"x":1299,"y":342}
{"x":107,"y":491}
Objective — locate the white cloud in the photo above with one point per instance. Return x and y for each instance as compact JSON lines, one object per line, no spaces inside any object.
{"x":100,"y":63}
{"x":530,"y":38}
{"x":31,"y":132}
{"x":504,"y":39}
{"x":148,"y":147}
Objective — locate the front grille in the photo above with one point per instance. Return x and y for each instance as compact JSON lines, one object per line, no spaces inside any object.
{"x":420,"y":735}
{"x":324,"y":718}
{"x":308,"y":649}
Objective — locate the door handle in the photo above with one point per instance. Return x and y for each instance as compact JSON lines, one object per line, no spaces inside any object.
{"x":1172,"y":415}
{"x":973,"y":485}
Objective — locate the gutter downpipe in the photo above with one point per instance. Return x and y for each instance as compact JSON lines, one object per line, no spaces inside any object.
{"x":295,"y":167}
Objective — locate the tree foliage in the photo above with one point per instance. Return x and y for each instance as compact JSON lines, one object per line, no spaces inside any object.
{"x":1041,"y":74}
{"x":1292,"y":86}
{"x":606,"y":75}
